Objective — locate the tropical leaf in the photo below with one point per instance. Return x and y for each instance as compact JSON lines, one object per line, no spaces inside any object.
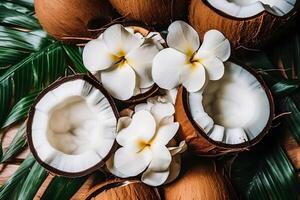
{"x":16,"y":45}
{"x":62,"y":188}
{"x":18,"y":16}
{"x":289,"y":104}
{"x":20,"y":110}
{"x":75,"y":56}
{"x":32,"y":74}
{"x":32,"y":183}
{"x":7,"y":189}
{"x":26,"y":3}
{"x":265,"y":174}
{"x":18,"y":143}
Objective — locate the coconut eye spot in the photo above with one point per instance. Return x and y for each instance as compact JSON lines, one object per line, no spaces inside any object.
{"x":250,"y":8}
{"x":231,"y":110}
{"x":73,"y":127}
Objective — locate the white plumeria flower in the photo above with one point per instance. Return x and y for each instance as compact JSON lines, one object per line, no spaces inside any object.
{"x":186,"y":62}
{"x":147,"y":144}
{"x":123,"y":59}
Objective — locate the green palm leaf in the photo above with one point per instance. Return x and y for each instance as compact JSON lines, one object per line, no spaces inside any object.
{"x":62,"y":188}
{"x":18,"y":143}
{"x":265,"y":174}
{"x":32,"y":74}
{"x":20,"y":110}
{"x":32,"y":183}
{"x":18,"y":16}
{"x":24,"y":169}
{"x":16,"y":45}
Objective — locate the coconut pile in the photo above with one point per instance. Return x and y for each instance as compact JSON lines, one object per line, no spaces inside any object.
{"x":162,"y":86}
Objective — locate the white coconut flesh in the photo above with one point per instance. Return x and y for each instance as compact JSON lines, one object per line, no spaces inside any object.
{"x":73,"y":127}
{"x":249,"y":8}
{"x":232,"y":110}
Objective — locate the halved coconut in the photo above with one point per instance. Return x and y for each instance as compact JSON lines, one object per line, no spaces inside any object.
{"x":72,"y":126}
{"x":245,"y":23}
{"x":250,"y":8}
{"x":229,"y":115}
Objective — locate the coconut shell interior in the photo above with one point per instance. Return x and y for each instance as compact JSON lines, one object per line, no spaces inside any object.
{"x":197,"y":137}
{"x":250,"y":32}
{"x":67,"y":150}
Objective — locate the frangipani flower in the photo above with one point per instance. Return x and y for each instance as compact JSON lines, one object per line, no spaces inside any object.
{"x":148,"y":145}
{"x":123,"y":60}
{"x":186,"y":62}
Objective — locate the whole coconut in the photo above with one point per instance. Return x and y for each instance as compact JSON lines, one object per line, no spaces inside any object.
{"x":200,"y":180}
{"x":67,"y":19}
{"x":152,"y":12}
{"x":123,"y":189}
{"x":247,"y":32}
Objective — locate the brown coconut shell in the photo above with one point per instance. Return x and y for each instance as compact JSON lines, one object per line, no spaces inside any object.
{"x":249,"y":32}
{"x":152,"y":12}
{"x":198,"y":142}
{"x":122,"y":189}
{"x":67,"y":20}
{"x":199,"y":179}
{"x":30,"y":121}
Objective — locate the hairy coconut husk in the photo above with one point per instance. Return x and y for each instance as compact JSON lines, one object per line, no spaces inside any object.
{"x":196,"y":138}
{"x":200,"y":179}
{"x":249,"y":32}
{"x":152,"y":12}
{"x":69,"y":19}
{"x":123,"y":189}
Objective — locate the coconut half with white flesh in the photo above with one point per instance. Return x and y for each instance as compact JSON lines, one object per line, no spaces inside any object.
{"x":250,"y":8}
{"x":228,"y":115}
{"x":72,"y":126}
{"x":246,"y":23}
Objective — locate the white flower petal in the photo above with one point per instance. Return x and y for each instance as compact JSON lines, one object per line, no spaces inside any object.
{"x":123,"y":122}
{"x":193,"y":77}
{"x":215,"y":44}
{"x":166,"y":133}
{"x":156,"y":39}
{"x":115,"y":79}
{"x":161,"y":157}
{"x":162,"y":110}
{"x":142,"y":106}
{"x":120,"y":41}
{"x":171,"y":95}
{"x":182,"y":147}
{"x":96,"y":56}
{"x":112,"y":168}
{"x":141,"y":129}
{"x":140,"y":59}
{"x":154,"y":178}
{"x":130,"y":163}
{"x":183,"y":37}
{"x":174,"y":169}
{"x":214,"y":68}
{"x":167,"y":66}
